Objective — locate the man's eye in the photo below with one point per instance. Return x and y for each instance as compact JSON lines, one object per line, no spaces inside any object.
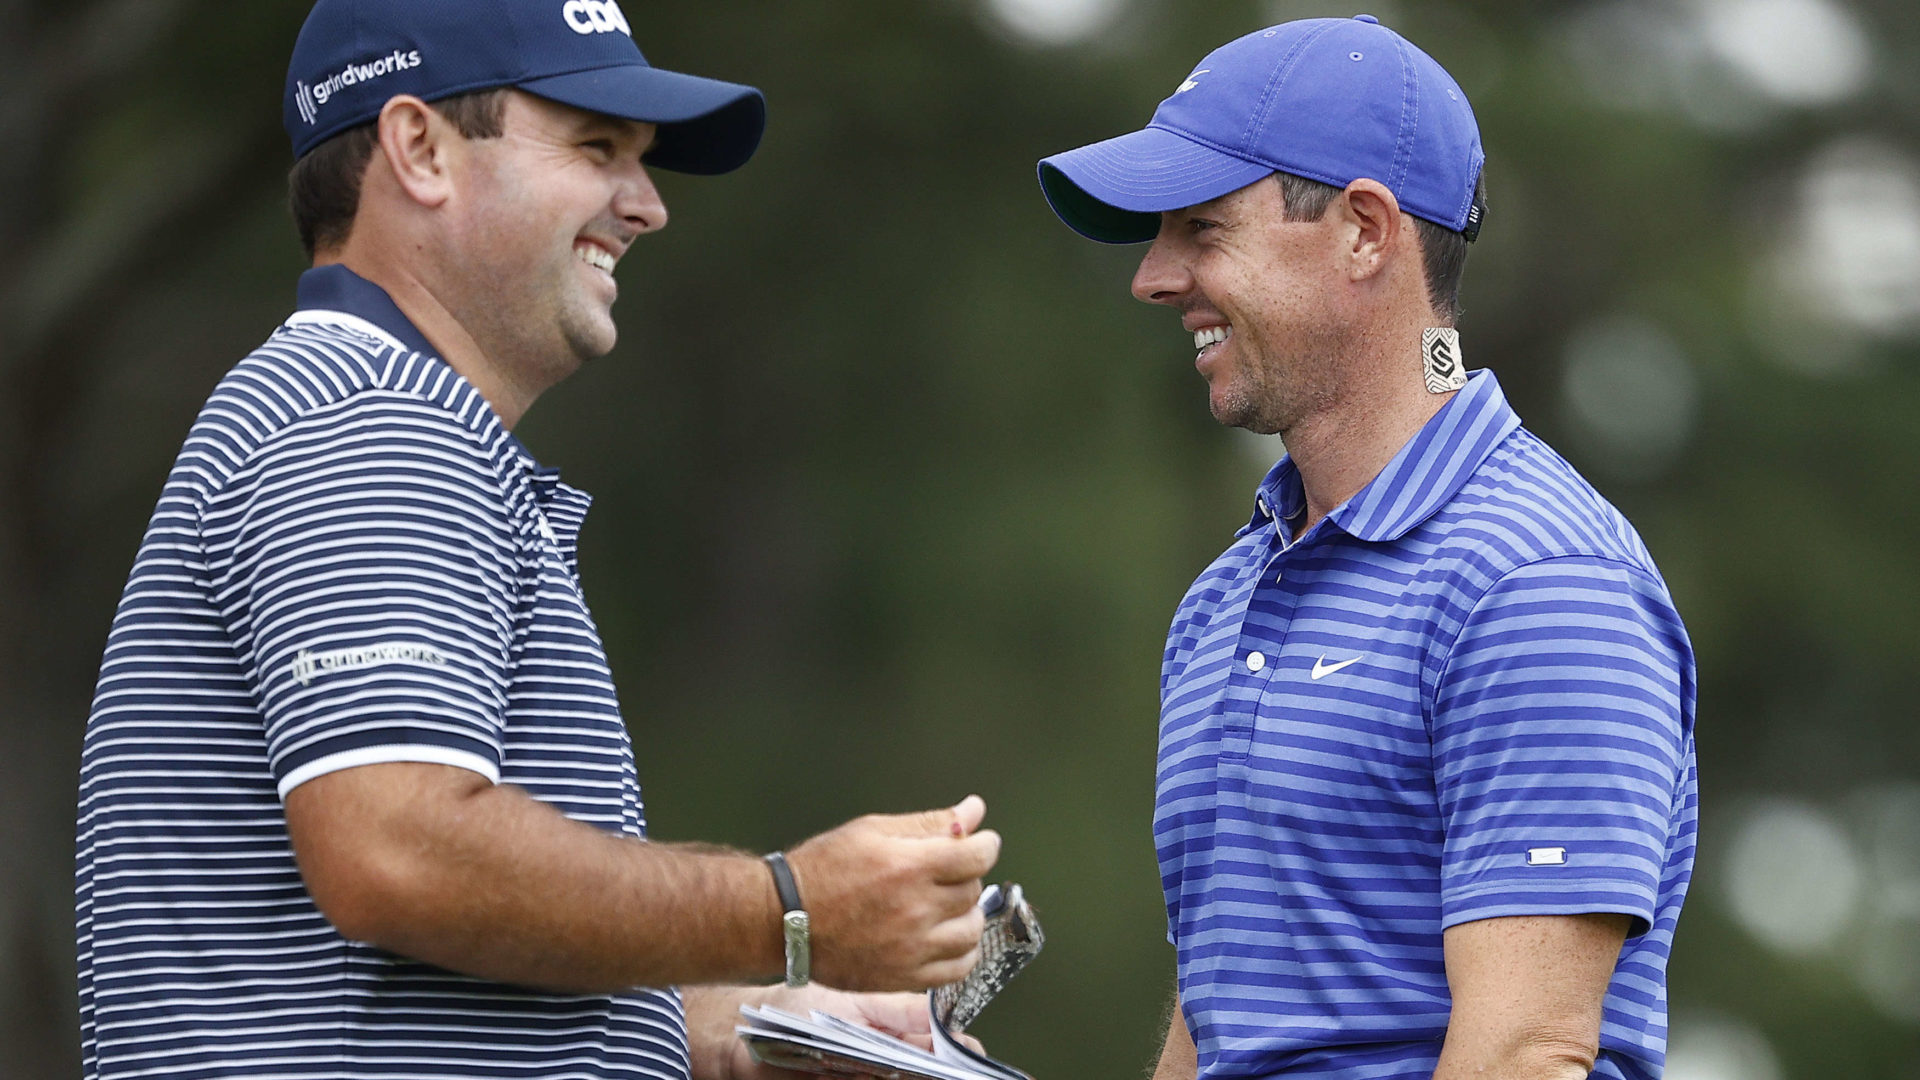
{"x":599,"y":147}
{"x":1199,"y":225}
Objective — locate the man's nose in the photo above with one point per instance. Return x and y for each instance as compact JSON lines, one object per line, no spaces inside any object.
{"x":638,"y":202}
{"x":1162,"y":277}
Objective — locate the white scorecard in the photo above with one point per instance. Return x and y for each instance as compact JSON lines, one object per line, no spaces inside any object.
{"x":834,"y":1046}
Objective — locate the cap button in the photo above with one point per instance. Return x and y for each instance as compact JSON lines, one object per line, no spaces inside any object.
{"x":1367,"y":19}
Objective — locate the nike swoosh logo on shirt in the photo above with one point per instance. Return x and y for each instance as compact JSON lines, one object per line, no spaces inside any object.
{"x":1321,"y":668}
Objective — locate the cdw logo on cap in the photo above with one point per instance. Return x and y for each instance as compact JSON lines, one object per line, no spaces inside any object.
{"x":595,"y":17}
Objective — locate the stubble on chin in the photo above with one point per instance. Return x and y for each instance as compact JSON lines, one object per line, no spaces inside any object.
{"x":1234,"y":410}
{"x":1273,"y":396}
{"x":1251,"y":404}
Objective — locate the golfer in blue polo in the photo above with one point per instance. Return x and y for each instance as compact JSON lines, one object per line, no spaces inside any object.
{"x":1426,"y":799}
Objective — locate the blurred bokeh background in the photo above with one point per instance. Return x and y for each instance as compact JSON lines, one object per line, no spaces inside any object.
{"x":898,"y":487}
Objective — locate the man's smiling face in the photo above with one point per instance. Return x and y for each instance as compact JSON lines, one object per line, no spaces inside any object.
{"x":548,"y":210}
{"x":1259,"y":295}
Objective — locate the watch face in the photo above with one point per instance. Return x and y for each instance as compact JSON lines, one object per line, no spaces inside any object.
{"x":799,"y":951}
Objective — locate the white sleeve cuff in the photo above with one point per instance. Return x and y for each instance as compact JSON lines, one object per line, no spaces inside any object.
{"x":425,"y":753}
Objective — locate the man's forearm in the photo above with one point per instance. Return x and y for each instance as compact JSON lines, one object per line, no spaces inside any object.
{"x":1528,"y":995}
{"x":505,"y":887}
{"x":1178,"y":1059}
{"x":435,"y":863}
{"x":1537,"y":1056}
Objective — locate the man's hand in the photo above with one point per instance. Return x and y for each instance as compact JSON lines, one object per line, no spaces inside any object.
{"x":892,"y":899}
{"x":713,"y":1011}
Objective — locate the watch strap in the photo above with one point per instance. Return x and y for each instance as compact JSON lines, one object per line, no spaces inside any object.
{"x":783,"y":882}
{"x":795,"y":929}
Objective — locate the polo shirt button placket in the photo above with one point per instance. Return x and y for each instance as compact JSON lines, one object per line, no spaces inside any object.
{"x":1256,"y":656}
{"x":1283,"y":602}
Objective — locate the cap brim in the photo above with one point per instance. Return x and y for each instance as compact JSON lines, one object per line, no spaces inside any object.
{"x":1115,"y":191}
{"x":706,"y":126}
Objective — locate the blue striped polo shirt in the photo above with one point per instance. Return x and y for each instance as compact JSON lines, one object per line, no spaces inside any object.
{"x":1463,"y":694}
{"x":352,"y":562}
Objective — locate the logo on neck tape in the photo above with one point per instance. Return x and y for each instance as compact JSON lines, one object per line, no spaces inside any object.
{"x":1440,"y":353}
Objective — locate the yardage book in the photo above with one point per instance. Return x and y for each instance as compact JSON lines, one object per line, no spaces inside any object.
{"x":834,"y":1046}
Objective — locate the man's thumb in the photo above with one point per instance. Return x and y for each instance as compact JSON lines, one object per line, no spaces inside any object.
{"x":967,"y":815}
{"x":958,"y":820}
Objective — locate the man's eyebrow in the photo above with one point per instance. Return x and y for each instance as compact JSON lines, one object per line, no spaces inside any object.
{"x":589,"y":124}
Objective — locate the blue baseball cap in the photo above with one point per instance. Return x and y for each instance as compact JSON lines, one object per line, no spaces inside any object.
{"x":1332,"y":100}
{"x":355,"y":55}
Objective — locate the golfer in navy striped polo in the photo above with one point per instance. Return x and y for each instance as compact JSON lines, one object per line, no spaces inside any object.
{"x":358,"y":799}
{"x":1426,"y":800}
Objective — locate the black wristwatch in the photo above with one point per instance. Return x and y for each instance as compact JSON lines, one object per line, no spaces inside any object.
{"x":793,"y":922}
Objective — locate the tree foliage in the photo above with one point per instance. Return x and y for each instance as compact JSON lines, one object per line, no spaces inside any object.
{"x":897,"y":486}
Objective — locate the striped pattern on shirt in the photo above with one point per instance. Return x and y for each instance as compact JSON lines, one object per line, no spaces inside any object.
{"x":352,"y":562}
{"x":1464,"y":694}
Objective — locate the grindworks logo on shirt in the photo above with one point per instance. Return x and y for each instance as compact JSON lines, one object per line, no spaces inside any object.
{"x":308,"y":664}
{"x":311,"y":99}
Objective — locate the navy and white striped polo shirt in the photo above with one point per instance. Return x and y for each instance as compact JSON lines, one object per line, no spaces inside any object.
{"x":352,"y":562}
{"x":1464,"y":694}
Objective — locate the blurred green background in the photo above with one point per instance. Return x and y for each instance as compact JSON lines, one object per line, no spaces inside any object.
{"x":897,"y":487}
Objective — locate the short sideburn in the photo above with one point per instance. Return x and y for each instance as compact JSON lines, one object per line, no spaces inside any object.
{"x":323,"y":189}
{"x":1443,"y":252}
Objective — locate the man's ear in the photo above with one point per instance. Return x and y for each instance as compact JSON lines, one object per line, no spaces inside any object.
{"x":1374,"y":225}
{"x":414,"y":141}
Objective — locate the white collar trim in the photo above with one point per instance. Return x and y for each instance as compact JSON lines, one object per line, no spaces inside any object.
{"x":352,"y":322}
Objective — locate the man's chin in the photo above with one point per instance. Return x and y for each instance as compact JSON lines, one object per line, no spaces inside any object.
{"x":1231,"y":409}
{"x":594,"y":340}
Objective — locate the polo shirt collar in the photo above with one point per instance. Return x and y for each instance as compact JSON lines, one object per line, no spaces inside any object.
{"x":336,"y":288}
{"x":1429,"y":470}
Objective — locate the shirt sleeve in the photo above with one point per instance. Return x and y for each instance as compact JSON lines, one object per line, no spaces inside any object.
{"x":366,"y":563}
{"x":1559,"y":729}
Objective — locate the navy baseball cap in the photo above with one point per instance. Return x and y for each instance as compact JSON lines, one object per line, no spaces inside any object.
{"x":354,"y":55}
{"x":1332,"y":100}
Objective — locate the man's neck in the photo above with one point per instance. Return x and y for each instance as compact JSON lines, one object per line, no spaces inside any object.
{"x":1340,"y":449}
{"x":454,"y":344}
